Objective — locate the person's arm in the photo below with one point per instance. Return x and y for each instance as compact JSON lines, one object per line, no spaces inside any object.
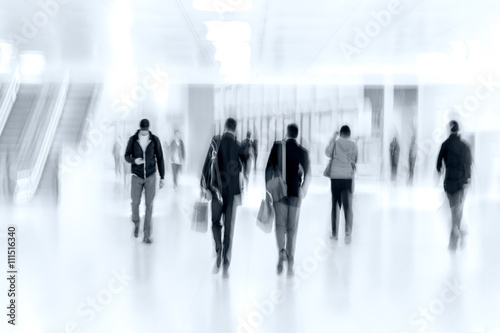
{"x":355,"y":158}
{"x":206,"y":168}
{"x":183,"y":155}
{"x":439,"y":164}
{"x":129,"y":151}
{"x":468,"y":163}
{"x":306,"y":165}
{"x":272,"y":162}
{"x":159,"y":158}
{"x":329,"y":148}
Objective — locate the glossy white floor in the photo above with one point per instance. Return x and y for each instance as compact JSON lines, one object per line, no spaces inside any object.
{"x":80,"y":269}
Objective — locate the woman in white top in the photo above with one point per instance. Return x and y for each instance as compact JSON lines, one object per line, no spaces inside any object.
{"x":344,"y":155}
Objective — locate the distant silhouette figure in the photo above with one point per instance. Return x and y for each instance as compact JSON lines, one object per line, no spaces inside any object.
{"x":246,"y":149}
{"x":412,"y":157}
{"x":458,"y":161}
{"x":343,"y":153}
{"x":287,"y":210}
{"x":394,"y":151}
{"x":117,"y":153}
{"x":177,"y":155}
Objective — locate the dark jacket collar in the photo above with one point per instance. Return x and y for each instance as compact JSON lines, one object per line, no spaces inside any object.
{"x":229,"y":134}
{"x":136,"y":135}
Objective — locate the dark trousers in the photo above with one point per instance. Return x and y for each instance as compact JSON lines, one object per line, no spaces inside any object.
{"x":287,"y":220}
{"x":149,"y":187}
{"x":394,"y":171}
{"x":457,"y":207}
{"x":223,"y":216}
{"x":341,"y":195}
{"x":175,"y":172}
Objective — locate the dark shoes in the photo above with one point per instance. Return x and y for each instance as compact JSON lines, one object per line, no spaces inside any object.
{"x":281,"y":260}
{"x":218,"y":261}
{"x":225,"y":270}
{"x":136,"y":231}
{"x":147,"y":241}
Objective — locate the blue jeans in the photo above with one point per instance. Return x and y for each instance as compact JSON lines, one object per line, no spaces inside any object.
{"x":149,"y":186}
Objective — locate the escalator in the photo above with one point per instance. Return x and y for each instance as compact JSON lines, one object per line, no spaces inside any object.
{"x":70,"y":130}
{"x":18,"y":118}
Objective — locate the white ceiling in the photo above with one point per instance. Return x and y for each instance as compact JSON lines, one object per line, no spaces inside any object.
{"x":290,"y":40}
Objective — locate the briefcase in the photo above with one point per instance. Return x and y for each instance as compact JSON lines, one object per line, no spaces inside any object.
{"x":265,"y":217}
{"x":199,"y":222}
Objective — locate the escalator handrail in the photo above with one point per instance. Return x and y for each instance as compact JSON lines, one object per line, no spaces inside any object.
{"x":28,"y":180}
{"x":9,"y":99}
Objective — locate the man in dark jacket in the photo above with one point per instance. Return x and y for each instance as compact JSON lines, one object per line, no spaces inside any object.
{"x":144,"y":153}
{"x":458,"y":161}
{"x":298,"y":176}
{"x":221,"y":176}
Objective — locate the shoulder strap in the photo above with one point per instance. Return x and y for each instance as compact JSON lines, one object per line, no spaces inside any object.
{"x":283,"y":160}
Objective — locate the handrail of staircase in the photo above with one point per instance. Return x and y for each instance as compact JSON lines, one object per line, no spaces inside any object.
{"x":28,"y":180}
{"x":9,"y":99}
{"x":82,"y":137}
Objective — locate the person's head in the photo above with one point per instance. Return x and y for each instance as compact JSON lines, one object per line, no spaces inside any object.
{"x":230,"y":125}
{"x":249,"y":135}
{"x":177,"y":134}
{"x":454,"y":127}
{"x":292,"y":131}
{"x":144,"y":125}
{"x":345,"y":132}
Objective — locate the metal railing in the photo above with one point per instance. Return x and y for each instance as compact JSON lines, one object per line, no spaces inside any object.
{"x":9,"y":99}
{"x":28,"y":179}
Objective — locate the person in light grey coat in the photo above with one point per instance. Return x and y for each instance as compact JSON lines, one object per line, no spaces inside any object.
{"x":343,"y":153}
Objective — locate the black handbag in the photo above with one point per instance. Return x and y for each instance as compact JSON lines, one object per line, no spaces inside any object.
{"x":276,"y":186}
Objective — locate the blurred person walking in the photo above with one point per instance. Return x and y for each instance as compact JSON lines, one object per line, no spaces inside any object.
{"x":394,"y":151}
{"x":297,"y":179}
{"x":255,"y":146}
{"x":117,"y":153}
{"x":177,"y":155}
{"x":144,"y":152}
{"x":343,"y":154}
{"x":412,"y":158}
{"x":246,"y":148}
{"x":220,"y":180}
{"x":457,"y":158}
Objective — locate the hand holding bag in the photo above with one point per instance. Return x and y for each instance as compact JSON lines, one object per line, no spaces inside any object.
{"x":199,"y":222}
{"x":328,"y":170}
{"x":276,"y":186}
{"x":265,"y":217}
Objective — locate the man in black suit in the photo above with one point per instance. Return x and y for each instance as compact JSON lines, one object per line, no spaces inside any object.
{"x":298,"y":177}
{"x":221,"y":176}
{"x":457,"y":158}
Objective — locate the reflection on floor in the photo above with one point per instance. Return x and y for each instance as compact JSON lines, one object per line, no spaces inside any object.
{"x":82,"y":271}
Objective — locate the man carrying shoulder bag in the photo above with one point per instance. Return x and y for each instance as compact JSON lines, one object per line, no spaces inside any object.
{"x":287,"y":179}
